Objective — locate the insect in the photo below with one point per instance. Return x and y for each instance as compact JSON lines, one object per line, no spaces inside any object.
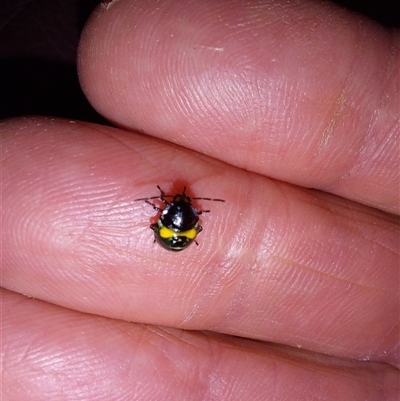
{"x":178,"y":224}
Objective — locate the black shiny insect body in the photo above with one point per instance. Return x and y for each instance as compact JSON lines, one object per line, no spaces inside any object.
{"x":178,"y":224}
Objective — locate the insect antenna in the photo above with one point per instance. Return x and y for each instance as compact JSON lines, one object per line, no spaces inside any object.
{"x":145,"y":199}
{"x":211,"y":199}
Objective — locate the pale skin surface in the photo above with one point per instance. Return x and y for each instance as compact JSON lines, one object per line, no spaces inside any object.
{"x":282,"y":97}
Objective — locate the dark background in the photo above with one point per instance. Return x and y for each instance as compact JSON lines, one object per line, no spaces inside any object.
{"x":38,"y":44}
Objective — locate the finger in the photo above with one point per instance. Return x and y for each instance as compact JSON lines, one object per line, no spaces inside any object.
{"x":274,"y":262}
{"x":86,"y":358}
{"x":302,"y":92}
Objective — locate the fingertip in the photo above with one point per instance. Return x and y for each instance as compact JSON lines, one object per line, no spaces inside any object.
{"x":257,"y":87}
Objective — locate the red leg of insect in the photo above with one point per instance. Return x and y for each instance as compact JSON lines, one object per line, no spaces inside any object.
{"x":203,"y":211}
{"x":199,"y":230}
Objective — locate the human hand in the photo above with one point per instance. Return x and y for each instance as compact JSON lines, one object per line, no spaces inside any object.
{"x":292,"y":293}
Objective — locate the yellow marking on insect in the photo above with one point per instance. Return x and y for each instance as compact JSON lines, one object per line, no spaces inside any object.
{"x":165,"y":232}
